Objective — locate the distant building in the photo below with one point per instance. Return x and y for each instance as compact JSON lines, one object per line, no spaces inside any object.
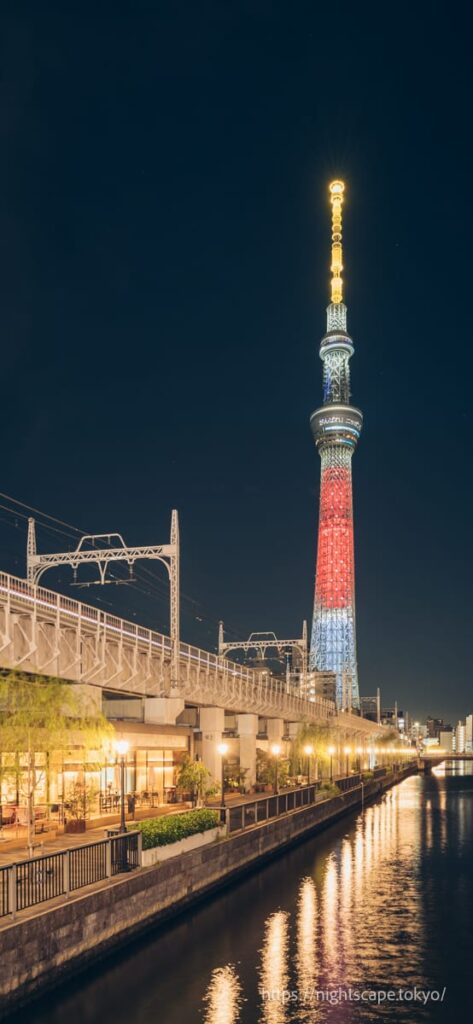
{"x":417,"y":732}
{"x":460,"y":738}
{"x":370,"y":708}
{"x":446,"y":740}
{"x":434,"y":726}
{"x":394,"y":717}
{"x":469,"y":733}
{"x":321,"y":684}
{"x":403,"y":722}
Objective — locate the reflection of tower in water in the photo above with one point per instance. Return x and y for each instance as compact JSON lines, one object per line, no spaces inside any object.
{"x":274,"y":975}
{"x":307,"y":963}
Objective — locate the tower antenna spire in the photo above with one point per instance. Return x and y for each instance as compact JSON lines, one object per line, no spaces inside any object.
{"x":337,"y":189}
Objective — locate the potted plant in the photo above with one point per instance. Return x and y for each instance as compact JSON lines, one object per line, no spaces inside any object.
{"x":235,"y":777}
{"x":81,"y":799}
{"x":194,"y":778}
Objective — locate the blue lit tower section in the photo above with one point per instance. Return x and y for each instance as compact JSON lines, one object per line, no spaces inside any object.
{"x":336,"y":427}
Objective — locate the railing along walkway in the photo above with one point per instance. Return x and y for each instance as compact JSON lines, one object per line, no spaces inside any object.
{"x":274,"y":805}
{"x":27,"y":883}
{"x":254,"y":811}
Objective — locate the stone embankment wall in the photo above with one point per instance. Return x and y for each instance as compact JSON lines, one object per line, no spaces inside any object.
{"x":44,"y":948}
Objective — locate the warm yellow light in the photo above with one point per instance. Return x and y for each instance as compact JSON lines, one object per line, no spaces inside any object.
{"x":347,"y":750}
{"x":331,"y":751}
{"x":359,"y":751}
{"x":222,"y":749}
{"x":122,"y":747}
{"x":308,"y":749}
{"x":276,"y":749}
{"x":336,"y":189}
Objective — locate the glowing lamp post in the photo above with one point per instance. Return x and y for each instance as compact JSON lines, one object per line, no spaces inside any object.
{"x":121,"y":748}
{"x":308,"y":751}
{"x":347,"y":752}
{"x":359,"y":751}
{"x":330,"y":752}
{"x":222,"y":749}
{"x":276,"y":751}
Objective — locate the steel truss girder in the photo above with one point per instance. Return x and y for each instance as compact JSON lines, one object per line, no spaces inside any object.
{"x":167,"y":554}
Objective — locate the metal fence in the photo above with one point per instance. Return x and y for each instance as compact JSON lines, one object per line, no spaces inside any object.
{"x":253,"y":812}
{"x":349,"y":782}
{"x":30,"y":882}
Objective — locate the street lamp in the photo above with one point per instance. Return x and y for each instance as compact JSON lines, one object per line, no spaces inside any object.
{"x":330,"y":752}
{"x":347,"y":751}
{"x":276,"y":750}
{"x":222,"y":749}
{"x":308,"y":751}
{"x":121,"y":748}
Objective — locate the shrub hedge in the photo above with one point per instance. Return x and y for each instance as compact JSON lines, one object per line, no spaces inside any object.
{"x":329,"y":789}
{"x":172,"y":827}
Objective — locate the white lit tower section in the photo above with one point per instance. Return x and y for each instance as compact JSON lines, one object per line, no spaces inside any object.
{"x":336,"y":427}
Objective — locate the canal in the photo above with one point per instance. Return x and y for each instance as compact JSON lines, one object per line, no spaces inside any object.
{"x":380,"y":903}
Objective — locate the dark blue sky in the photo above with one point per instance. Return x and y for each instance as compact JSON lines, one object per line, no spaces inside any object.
{"x":164,"y":247}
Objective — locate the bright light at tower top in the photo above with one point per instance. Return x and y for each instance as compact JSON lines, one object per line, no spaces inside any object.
{"x":336,"y":188}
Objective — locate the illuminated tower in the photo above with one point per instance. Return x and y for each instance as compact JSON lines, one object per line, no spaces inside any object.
{"x":336,"y":427}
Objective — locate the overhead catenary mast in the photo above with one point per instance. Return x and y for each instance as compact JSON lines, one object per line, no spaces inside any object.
{"x":336,"y":428}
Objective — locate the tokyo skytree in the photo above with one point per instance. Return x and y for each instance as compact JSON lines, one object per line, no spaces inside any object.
{"x":336,"y":427}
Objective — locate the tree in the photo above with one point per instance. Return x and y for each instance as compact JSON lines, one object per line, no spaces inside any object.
{"x":266,"y":769}
{"x":48,"y":717}
{"x":81,"y":799}
{"x":320,"y":738}
{"x":194,"y":778}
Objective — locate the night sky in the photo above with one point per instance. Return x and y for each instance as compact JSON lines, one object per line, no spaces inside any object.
{"x":164,"y":240}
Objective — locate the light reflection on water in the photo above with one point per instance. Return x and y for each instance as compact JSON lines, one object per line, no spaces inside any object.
{"x":275,"y":967}
{"x":362,"y":924}
{"x":381,"y":900}
{"x":223,"y":997}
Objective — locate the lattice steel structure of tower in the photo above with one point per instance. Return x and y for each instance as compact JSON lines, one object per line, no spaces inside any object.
{"x":336,"y":428}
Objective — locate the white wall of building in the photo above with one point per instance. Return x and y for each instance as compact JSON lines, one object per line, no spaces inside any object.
{"x":469,"y":733}
{"x":460,"y":738}
{"x":446,"y":741}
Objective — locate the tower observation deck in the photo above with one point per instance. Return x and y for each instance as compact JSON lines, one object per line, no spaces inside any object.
{"x":336,"y":427}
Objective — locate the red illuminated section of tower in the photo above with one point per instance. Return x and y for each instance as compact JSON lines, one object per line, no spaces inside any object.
{"x":334,"y":585}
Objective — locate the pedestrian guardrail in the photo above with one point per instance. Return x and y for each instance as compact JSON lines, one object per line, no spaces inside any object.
{"x":253,"y":812}
{"x":27,"y":883}
{"x":348,"y":782}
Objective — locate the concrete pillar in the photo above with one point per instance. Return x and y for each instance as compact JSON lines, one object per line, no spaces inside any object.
{"x":163,"y":710}
{"x":212,"y":723}
{"x":275,"y":730}
{"x":247,"y":730}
